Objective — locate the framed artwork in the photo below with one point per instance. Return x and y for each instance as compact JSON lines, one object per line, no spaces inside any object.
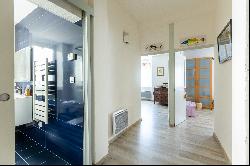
{"x":160,"y":71}
{"x":224,"y":41}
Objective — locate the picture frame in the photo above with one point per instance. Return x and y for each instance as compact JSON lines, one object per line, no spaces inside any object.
{"x":224,"y":42}
{"x":160,"y":71}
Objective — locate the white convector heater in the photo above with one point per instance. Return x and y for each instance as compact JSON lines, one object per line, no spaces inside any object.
{"x":120,"y":121}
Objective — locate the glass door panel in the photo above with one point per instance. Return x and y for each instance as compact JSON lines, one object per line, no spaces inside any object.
{"x":59,"y":40}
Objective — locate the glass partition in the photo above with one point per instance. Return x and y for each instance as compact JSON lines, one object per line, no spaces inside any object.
{"x":58,"y":40}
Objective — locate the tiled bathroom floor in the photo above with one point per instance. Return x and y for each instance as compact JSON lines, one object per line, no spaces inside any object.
{"x":28,"y":152}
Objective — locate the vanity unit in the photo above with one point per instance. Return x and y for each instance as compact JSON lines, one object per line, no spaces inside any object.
{"x":23,"y":109}
{"x":23,"y":70}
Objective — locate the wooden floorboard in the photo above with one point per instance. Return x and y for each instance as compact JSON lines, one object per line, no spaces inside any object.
{"x":153,"y":142}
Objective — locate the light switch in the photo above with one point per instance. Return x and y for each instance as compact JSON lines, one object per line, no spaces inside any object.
{"x":72,"y":56}
{"x":72,"y":80}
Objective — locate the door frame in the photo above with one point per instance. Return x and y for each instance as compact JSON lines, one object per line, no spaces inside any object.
{"x":87,"y":44}
{"x":171,"y":70}
{"x":88,"y":14}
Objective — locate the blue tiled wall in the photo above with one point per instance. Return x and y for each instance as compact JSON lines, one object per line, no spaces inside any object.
{"x":22,"y":37}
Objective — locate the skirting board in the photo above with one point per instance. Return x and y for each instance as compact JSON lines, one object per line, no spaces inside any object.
{"x":117,"y":136}
{"x":225,"y":154}
{"x":102,"y":160}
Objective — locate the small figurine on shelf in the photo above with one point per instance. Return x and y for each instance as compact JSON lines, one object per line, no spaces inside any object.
{"x":28,"y":90}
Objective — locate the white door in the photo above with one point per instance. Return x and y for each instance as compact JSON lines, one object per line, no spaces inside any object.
{"x":7,"y":124}
{"x":180,"y":101}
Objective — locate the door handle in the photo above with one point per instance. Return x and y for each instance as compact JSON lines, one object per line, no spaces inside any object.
{"x":4,"y":97}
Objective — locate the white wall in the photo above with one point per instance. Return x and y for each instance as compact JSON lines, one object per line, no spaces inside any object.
{"x":247,"y":87}
{"x":223,"y":84}
{"x":102,"y":81}
{"x":199,"y":53}
{"x":240,"y":83}
{"x":160,"y":60}
{"x":151,"y":33}
{"x":116,"y":70}
{"x":203,"y":24}
{"x":126,"y":64}
{"x":89,"y":2}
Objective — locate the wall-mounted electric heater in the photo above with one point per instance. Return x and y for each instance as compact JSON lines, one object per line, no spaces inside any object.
{"x":120,"y":121}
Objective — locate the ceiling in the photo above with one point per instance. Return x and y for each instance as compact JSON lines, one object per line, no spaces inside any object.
{"x":45,"y":26}
{"x":22,"y":9}
{"x":169,"y":10}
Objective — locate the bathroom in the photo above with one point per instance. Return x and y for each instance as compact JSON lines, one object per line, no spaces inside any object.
{"x":48,"y":88}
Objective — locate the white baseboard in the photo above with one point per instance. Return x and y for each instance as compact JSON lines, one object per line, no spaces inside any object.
{"x":113,"y":138}
{"x":225,"y":153}
{"x":100,"y":162}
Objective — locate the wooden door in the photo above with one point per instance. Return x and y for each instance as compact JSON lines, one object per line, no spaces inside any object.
{"x":7,"y":123}
{"x":199,"y":81}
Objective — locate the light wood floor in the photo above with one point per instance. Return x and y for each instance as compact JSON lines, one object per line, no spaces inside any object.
{"x":153,"y":142}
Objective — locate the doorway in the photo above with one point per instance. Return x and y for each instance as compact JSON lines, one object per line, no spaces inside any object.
{"x":198,"y":84}
{"x":154,"y":85}
{"x":49,"y":84}
{"x":200,"y":77}
{"x":196,"y":79}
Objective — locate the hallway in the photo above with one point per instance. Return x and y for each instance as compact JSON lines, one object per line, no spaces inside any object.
{"x":153,"y":142}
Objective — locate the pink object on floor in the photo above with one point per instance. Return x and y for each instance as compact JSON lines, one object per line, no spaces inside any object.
{"x":191,"y":109}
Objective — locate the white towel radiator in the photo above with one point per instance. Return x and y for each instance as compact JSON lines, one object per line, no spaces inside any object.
{"x":40,"y":91}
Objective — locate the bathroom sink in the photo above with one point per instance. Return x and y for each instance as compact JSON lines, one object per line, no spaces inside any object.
{"x":23,"y":109}
{"x":19,"y":96}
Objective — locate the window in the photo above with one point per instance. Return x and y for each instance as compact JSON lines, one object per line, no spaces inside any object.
{"x":146,"y":71}
{"x":41,"y":53}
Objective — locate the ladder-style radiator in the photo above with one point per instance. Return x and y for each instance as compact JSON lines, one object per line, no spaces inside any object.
{"x":40,"y":91}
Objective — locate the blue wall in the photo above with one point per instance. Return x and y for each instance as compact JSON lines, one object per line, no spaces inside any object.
{"x":22,"y":37}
